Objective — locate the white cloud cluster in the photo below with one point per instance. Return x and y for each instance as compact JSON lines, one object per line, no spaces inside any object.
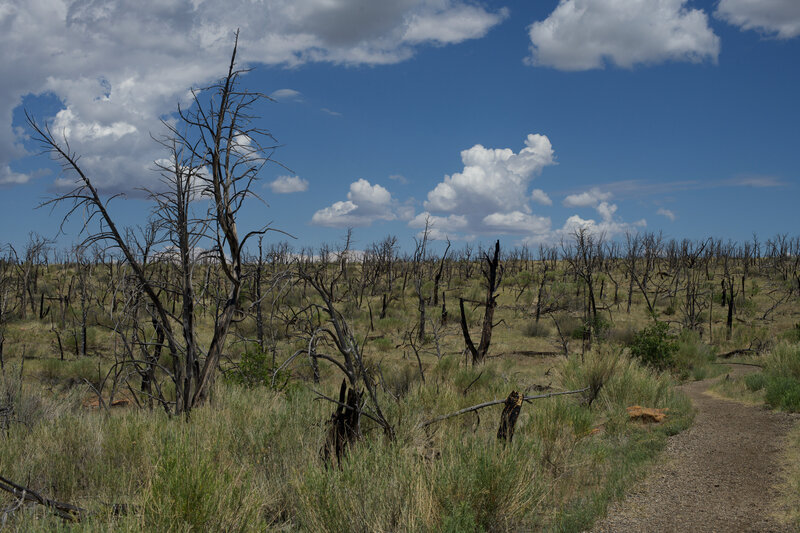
{"x":491,"y":193}
{"x":589,"y":198}
{"x":118,"y":66}
{"x":488,"y":197}
{"x":608,"y":224}
{"x":587,"y":34}
{"x":779,"y":18}
{"x":365,"y":204}
{"x":492,"y":179}
{"x":288,"y":184}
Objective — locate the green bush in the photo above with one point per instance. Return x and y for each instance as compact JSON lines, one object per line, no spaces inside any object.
{"x":782,"y":371}
{"x":692,"y":356}
{"x":655,"y":346}
{"x":756,"y":382}
{"x":254,"y":369}
{"x":783,"y":392}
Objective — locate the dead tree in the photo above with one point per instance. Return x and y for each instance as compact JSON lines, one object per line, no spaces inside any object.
{"x":493,"y":275}
{"x":344,"y":425}
{"x":216,"y":154}
{"x":508,"y":418}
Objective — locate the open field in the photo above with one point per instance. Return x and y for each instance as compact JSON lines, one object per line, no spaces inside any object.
{"x":88,"y":422}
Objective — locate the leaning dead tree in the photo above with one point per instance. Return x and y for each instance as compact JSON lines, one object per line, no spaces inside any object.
{"x":215,"y":155}
{"x":493,"y":275}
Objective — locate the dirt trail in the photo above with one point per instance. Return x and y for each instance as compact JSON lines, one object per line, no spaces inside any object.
{"x":719,"y":475}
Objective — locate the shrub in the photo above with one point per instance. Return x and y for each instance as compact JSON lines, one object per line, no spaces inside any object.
{"x":783,"y":392}
{"x":254,"y":369}
{"x":692,"y":355}
{"x":782,"y":368}
{"x":756,"y":382}
{"x":536,"y":329}
{"x":655,"y":346}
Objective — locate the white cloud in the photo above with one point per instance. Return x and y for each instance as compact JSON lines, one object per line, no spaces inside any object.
{"x":609,"y":228}
{"x":779,"y":18}
{"x":589,"y":198}
{"x":492,"y":179}
{"x":666,"y":213}
{"x":587,"y":34}
{"x":330,"y":112}
{"x":517,"y":222}
{"x":541,"y":197}
{"x":119,"y":66}
{"x":399,"y":178}
{"x":489,"y":197}
{"x":366,"y":203}
{"x":288,"y":184}
{"x":440,"y":228}
{"x":457,"y":25}
{"x":287,"y":94}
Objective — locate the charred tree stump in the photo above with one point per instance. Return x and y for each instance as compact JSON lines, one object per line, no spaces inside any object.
{"x":345,"y":425}
{"x":508,"y":418}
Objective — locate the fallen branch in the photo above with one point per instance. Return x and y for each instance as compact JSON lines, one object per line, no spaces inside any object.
{"x":741,"y":364}
{"x":63,"y":510}
{"x":496,"y":402}
{"x":740,"y":351}
{"x":529,"y":353}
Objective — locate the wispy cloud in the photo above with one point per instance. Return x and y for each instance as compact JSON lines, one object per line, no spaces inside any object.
{"x":287,"y":94}
{"x":330,"y":112}
{"x":666,"y":213}
{"x":641,"y":188}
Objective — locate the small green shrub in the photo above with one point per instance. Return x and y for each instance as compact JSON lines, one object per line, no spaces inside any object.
{"x":254,"y":369}
{"x":692,"y":356}
{"x":655,"y":346}
{"x":783,"y":392}
{"x":756,"y":382}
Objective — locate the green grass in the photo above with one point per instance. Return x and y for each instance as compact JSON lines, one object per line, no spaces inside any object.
{"x":249,"y":461}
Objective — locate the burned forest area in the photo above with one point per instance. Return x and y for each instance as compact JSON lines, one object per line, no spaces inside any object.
{"x":191,"y":374}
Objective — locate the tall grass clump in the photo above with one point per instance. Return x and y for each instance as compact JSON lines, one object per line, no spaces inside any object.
{"x":692,"y":356}
{"x":782,"y":369}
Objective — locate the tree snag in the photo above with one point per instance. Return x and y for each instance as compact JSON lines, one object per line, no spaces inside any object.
{"x":508,"y":418}
{"x":345,"y":425}
{"x":493,"y":274}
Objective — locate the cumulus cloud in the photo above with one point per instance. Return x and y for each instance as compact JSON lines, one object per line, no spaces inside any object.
{"x":116,"y":85}
{"x":778,"y":18}
{"x":439,"y":227}
{"x":489,"y":197}
{"x":666,"y":213}
{"x":516,"y":222}
{"x":541,"y":197}
{"x":608,"y":227}
{"x":588,"y":34}
{"x":288,"y":184}
{"x":365,"y":204}
{"x":589,"y":198}
{"x":492,"y":179}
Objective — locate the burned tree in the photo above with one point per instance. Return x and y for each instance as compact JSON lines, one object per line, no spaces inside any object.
{"x":493,"y":275}
{"x":216,"y":154}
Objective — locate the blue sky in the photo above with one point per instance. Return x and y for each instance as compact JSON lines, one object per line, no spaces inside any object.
{"x":516,"y":120}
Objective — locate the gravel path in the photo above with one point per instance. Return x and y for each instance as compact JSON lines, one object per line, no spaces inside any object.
{"x":718,"y":475}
